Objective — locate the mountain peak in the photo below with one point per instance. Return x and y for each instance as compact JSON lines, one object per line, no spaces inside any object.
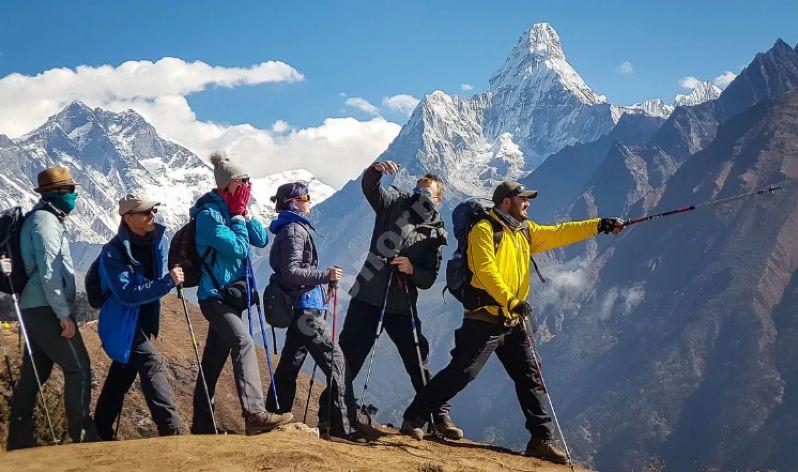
{"x":704,"y":92}
{"x":542,"y":40}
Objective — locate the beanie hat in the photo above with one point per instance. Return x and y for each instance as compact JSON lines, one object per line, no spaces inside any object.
{"x":288,"y":191}
{"x":225,"y":170}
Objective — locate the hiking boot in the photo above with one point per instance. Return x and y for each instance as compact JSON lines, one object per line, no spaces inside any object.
{"x":412,"y":429}
{"x":357,"y":438}
{"x":446,"y":428}
{"x":264,"y":421}
{"x":170,"y":432}
{"x":546,"y":449}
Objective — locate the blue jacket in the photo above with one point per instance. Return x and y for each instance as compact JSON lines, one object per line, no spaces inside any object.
{"x":230,"y":238}
{"x":45,"y":254}
{"x":295,"y":261}
{"x":122,"y":276}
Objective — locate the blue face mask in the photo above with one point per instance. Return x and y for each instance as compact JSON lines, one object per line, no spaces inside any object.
{"x":425,"y":192}
{"x":63,"y":201}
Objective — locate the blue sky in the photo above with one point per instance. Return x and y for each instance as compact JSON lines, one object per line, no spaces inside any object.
{"x":368,"y":49}
{"x":373,"y":49}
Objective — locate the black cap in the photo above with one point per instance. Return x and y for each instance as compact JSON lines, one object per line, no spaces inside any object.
{"x":509,"y":188}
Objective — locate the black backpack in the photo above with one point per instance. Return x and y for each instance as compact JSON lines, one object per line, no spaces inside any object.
{"x":458,"y":275}
{"x":183,"y":250}
{"x":10,"y":226}
{"x":94,"y":288}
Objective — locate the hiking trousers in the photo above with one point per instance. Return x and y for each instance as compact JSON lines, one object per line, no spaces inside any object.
{"x":146,"y":363}
{"x":308,"y":334}
{"x":357,"y":339}
{"x":49,"y":347}
{"x":474,"y":342}
{"x":227,"y":337}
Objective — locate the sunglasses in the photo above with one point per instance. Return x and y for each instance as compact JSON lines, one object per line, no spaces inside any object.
{"x":243,"y":180}
{"x":152,"y":211}
{"x":303,"y":198}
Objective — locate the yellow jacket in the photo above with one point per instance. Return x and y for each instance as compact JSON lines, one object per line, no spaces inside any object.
{"x":504,"y":272}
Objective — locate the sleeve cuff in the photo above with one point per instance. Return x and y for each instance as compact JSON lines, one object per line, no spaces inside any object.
{"x":239,"y":219}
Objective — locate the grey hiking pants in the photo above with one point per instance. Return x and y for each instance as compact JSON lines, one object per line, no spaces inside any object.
{"x":227,"y":336}
{"x":49,"y":347}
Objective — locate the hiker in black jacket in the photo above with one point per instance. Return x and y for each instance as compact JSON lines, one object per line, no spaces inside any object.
{"x":406,"y":245}
{"x":294,"y":259}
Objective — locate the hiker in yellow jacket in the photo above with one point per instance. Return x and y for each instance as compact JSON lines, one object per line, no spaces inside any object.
{"x":499,"y":253}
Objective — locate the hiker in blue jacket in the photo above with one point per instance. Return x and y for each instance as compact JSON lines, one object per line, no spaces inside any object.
{"x":225,"y":232}
{"x":48,"y":310}
{"x":133,"y":274}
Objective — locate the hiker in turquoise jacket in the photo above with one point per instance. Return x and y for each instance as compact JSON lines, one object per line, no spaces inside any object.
{"x":224,"y":233}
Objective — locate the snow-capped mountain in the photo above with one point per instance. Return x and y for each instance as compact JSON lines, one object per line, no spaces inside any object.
{"x":656,"y":108}
{"x":541,"y":101}
{"x":264,"y":187}
{"x":704,"y":92}
{"x":110,"y":155}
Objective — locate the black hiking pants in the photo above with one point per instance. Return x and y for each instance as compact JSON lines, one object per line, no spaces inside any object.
{"x":474,"y":342}
{"x":145,"y":362}
{"x":49,"y":347}
{"x":308,"y":334}
{"x":357,"y":339}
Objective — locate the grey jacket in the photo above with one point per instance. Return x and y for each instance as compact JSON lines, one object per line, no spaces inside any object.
{"x":48,"y":262}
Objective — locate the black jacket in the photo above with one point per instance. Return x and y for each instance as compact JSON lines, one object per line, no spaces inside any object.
{"x":293,"y":255}
{"x":403,"y":227}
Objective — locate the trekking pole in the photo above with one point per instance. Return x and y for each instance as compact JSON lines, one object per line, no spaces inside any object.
{"x":536,"y":356}
{"x":768,"y":190}
{"x":196,"y":354}
{"x":414,"y":324}
{"x":376,"y":340}
{"x":262,"y":320}
{"x":7,"y":272}
{"x":334,"y":286}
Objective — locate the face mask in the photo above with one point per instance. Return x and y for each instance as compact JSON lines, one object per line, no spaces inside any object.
{"x":63,"y":201}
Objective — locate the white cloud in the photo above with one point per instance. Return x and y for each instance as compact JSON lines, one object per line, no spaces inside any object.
{"x":723,"y":80}
{"x":625,"y":67}
{"x":689,"y":82}
{"x":157,"y":91}
{"x":280,"y":126}
{"x":401,"y":103}
{"x":363,"y":105}
{"x":466,"y":87}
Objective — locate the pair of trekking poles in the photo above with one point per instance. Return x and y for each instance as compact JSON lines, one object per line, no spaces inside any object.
{"x":250,"y":283}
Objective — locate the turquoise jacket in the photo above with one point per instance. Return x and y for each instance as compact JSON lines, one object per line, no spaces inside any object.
{"x":229,"y":237}
{"x":47,"y":260}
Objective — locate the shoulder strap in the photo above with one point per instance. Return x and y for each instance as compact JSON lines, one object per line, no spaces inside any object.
{"x":528,"y":236}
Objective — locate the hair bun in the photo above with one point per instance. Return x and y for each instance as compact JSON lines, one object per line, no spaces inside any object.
{"x":273,"y":198}
{"x":217,"y":157}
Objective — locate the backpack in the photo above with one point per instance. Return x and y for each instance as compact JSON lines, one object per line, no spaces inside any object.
{"x":10,"y":226}
{"x":183,"y":250}
{"x":94,"y":288}
{"x":458,"y":275}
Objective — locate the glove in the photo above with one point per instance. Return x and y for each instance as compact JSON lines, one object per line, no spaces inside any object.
{"x":611,"y":225}
{"x":238,"y":201}
{"x":523,"y":310}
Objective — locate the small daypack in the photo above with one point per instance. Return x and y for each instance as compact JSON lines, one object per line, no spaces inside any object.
{"x":278,"y":304}
{"x":94,"y":288}
{"x":458,"y":275}
{"x":10,"y":226}
{"x":183,"y":251}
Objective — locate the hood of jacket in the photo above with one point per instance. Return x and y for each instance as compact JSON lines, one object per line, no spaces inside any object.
{"x":287,"y":217}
